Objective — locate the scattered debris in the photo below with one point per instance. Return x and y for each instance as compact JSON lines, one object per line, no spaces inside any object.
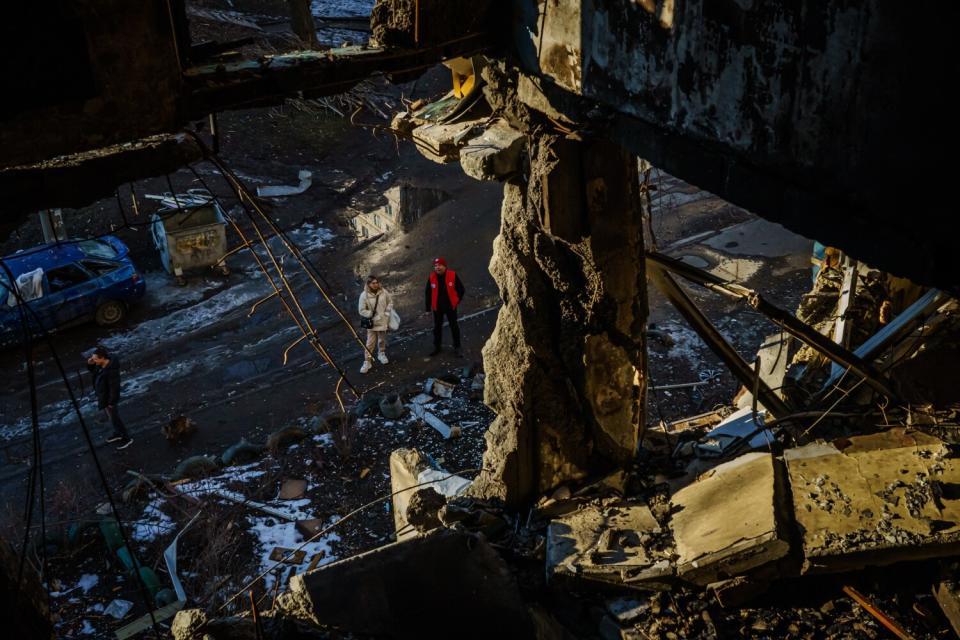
{"x":740,"y":431}
{"x":118,"y":609}
{"x":728,"y":522}
{"x":292,"y":489}
{"x":391,"y":406}
{"x":306,"y":179}
{"x":884,"y":619}
{"x":288,"y":556}
{"x":178,"y":428}
{"x":618,"y":542}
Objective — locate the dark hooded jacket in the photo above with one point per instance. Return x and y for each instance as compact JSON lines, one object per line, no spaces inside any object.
{"x":106,"y":382}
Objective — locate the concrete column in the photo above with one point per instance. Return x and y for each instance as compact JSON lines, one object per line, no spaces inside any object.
{"x":564,"y":365}
{"x":301,"y":21}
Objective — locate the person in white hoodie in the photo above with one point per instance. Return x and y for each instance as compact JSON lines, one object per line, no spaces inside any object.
{"x":375,"y":306}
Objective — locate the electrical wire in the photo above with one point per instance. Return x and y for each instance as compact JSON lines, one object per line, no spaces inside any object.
{"x":36,"y":469}
{"x":312,"y":272}
{"x":24,"y":307}
{"x":328,"y":528}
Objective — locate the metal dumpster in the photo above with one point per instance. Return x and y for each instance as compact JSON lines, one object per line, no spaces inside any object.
{"x":192,"y":236}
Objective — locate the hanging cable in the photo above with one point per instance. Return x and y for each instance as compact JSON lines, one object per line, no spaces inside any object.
{"x":36,"y":468}
{"x":25,"y":307}
{"x":309,"y":268}
{"x":307,"y":329}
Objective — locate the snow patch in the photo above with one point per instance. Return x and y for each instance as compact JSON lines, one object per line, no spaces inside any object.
{"x":153,"y":523}
{"x":270,"y":534}
{"x":177,"y":325}
{"x":163,"y":292}
{"x":88,"y":581}
{"x":310,"y":237}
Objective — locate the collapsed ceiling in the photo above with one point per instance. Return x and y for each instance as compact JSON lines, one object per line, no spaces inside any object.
{"x":812,"y":115}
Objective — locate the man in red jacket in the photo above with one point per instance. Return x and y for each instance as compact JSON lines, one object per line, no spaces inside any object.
{"x":443,"y":293}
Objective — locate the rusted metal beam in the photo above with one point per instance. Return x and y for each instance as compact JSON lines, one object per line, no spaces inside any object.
{"x":714,"y":340}
{"x":787,"y":321}
{"x":881,"y":617}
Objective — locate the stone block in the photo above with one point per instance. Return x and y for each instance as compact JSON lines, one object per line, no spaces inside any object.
{"x":875,"y":500}
{"x":495,"y":154}
{"x":606,"y":544}
{"x":730,"y":520}
{"x":447,"y":583}
{"x":441,"y":142}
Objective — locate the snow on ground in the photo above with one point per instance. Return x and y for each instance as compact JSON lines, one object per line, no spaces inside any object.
{"x":308,"y":237}
{"x":153,"y":523}
{"x":174,"y":327}
{"x":270,"y":533}
{"x":686,"y":344}
{"x":86,"y":582}
{"x":62,"y":415}
{"x":164,"y":293}
{"x":322,"y":8}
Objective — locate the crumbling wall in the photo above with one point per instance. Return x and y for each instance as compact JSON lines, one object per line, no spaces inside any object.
{"x":565,"y":360}
{"x":412,"y":23}
{"x":800,"y":112}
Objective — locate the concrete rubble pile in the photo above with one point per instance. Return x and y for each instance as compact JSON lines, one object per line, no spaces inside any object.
{"x":718,"y":512}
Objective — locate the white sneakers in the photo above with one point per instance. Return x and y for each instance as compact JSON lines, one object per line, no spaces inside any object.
{"x":367,"y":364}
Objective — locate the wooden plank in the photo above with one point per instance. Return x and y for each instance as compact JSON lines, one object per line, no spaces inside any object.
{"x":144,"y":622}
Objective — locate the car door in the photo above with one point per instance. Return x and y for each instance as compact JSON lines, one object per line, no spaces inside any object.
{"x":72,"y":290}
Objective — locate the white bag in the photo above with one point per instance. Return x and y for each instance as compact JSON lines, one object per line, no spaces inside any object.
{"x":394,"y":323}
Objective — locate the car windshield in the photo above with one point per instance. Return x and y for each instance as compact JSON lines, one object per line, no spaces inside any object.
{"x":97,"y":249}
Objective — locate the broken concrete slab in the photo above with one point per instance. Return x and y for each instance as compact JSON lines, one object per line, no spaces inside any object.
{"x":774,"y":356}
{"x":446,"y":579}
{"x":730,"y":520}
{"x":410,"y":468}
{"x":875,"y":500}
{"x":495,"y":154}
{"x":738,"y":431}
{"x":607,"y":544}
{"x":441,"y":142}
{"x":405,"y":467}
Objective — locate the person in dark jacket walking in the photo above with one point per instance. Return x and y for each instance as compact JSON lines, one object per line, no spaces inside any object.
{"x":443,"y":293}
{"x":106,"y":382}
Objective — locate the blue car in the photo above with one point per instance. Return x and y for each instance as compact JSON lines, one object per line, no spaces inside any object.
{"x":68,"y":283}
